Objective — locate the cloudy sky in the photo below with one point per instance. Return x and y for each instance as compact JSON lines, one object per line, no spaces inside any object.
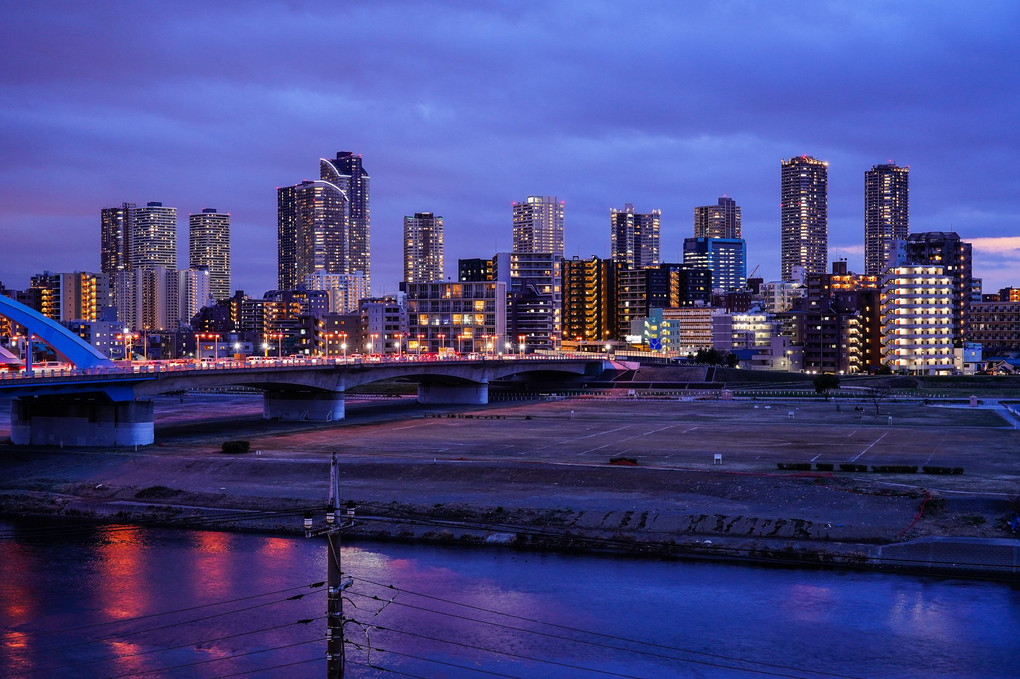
{"x":460,"y":108}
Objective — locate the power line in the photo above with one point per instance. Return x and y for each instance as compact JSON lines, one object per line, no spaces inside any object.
{"x":132,"y":633}
{"x":438,"y":662}
{"x":212,"y":660}
{"x":117,"y":657}
{"x":580,"y":631}
{"x":621,"y":648}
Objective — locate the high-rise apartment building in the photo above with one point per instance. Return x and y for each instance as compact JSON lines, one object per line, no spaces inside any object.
{"x":589,"y":307}
{"x":347,"y":172}
{"x":804,"y":220}
{"x":944,"y":249}
{"x":533,"y":283}
{"x":718,"y":221}
{"x":886,"y":213}
{"x":115,"y":238}
{"x":917,"y":319}
{"x":209,"y":248}
{"x":635,"y":236}
{"x":538,"y":225}
{"x":312,"y":231}
{"x":423,"y":248}
{"x":153,"y":237}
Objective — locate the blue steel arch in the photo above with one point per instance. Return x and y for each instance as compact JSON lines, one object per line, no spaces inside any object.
{"x":76,"y":350}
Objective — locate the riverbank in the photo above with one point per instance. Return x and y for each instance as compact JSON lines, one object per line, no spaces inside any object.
{"x":536,"y":476}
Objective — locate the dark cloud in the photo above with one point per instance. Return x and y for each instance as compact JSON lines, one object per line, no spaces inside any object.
{"x":460,"y":108}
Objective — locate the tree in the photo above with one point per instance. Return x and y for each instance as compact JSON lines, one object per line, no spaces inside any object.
{"x":878,"y":394}
{"x":825,"y":383}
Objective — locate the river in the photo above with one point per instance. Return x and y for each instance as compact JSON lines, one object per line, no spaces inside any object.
{"x":125,"y":601}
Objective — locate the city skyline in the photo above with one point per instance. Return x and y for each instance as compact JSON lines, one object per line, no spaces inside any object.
{"x":425,"y":105}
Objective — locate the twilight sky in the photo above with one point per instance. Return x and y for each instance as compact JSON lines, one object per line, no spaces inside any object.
{"x":462,"y":107}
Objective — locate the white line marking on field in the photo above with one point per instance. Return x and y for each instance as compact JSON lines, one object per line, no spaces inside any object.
{"x":851,"y":434}
{"x":857,"y":456}
{"x":816,"y":457}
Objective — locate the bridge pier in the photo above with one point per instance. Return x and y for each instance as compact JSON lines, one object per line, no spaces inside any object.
{"x":476,"y":393}
{"x":319,"y":406}
{"x":80,"y":422}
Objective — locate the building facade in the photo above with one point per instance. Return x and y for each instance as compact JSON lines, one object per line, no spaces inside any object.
{"x":804,"y":218}
{"x":444,"y":317}
{"x":538,"y":225}
{"x":917,"y":320}
{"x":947,"y":250}
{"x":718,"y":221}
{"x":312,"y":231}
{"x":725,"y":257}
{"x":423,"y":248}
{"x":347,"y":172}
{"x":589,"y":310}
{"x":886,"y":214}
{"x":114,"y":238}
{"x":634,"y":237}
{"x":209,"y":248}
{"x":153,"y":237}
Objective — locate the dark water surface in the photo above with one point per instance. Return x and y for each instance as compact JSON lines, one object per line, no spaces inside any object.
{"x":127,"y":602}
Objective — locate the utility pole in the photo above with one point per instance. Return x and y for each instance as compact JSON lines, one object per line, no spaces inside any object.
{"x":334,"y":602}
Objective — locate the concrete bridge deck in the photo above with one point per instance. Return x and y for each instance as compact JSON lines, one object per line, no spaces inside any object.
{"x":110,"y":405}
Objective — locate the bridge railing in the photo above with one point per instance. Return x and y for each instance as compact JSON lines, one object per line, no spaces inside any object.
{"x":260,"y":363}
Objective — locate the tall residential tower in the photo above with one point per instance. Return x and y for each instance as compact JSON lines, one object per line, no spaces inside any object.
{"x":209,"y":248}
{"x":718,"y":221}
{"x":635,"y":237}
{"x":538,"y":226}
{"x":423,"y":248}
{"x":886,"y":213}
{"x":347,"y":172}
{"x":804,"y":221}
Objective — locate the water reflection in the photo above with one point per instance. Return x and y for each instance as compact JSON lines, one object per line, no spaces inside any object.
{"x":122,"y":583}
{"x":217,"y":604}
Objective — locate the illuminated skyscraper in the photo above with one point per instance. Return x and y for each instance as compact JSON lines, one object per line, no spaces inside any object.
{"x":209,"y":247}
{"x":115,"y":238}
{"x":804,"y":221}
{"x":635,"y":237}
{"x":312,"y":224}
{"x":886,"y":213}
{"x":153,"y":237}
{"x":346,"y":172}
{"x":423,"y":248}
{"x":538,"y":226}
{"x":718,"y":221}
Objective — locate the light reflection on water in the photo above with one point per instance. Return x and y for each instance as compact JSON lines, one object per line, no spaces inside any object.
{"x":60,"y":599}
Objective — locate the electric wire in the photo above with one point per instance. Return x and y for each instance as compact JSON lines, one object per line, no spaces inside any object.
{"x":582,"y":631}
{"x":212,"y":660}
{"x":620,"y":648}
{"x":508,"y":654}
{"x":163,"y":649}
{"x":222,"y":602}
{"x":271,"y":667}
{"x":438,"y":662}
{"x":381,"y":669}
{"x":131,"y":633}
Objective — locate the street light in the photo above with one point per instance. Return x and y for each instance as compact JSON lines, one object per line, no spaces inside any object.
{"x":399,"y":336}
{"x":420,"y":338}
{"x":520,"y":339}
{"x":265,"y":349}
{"x":441,"y":336}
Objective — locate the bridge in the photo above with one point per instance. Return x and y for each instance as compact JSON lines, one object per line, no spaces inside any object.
{"x":98,"y":402}
{"x":113,"y":405}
